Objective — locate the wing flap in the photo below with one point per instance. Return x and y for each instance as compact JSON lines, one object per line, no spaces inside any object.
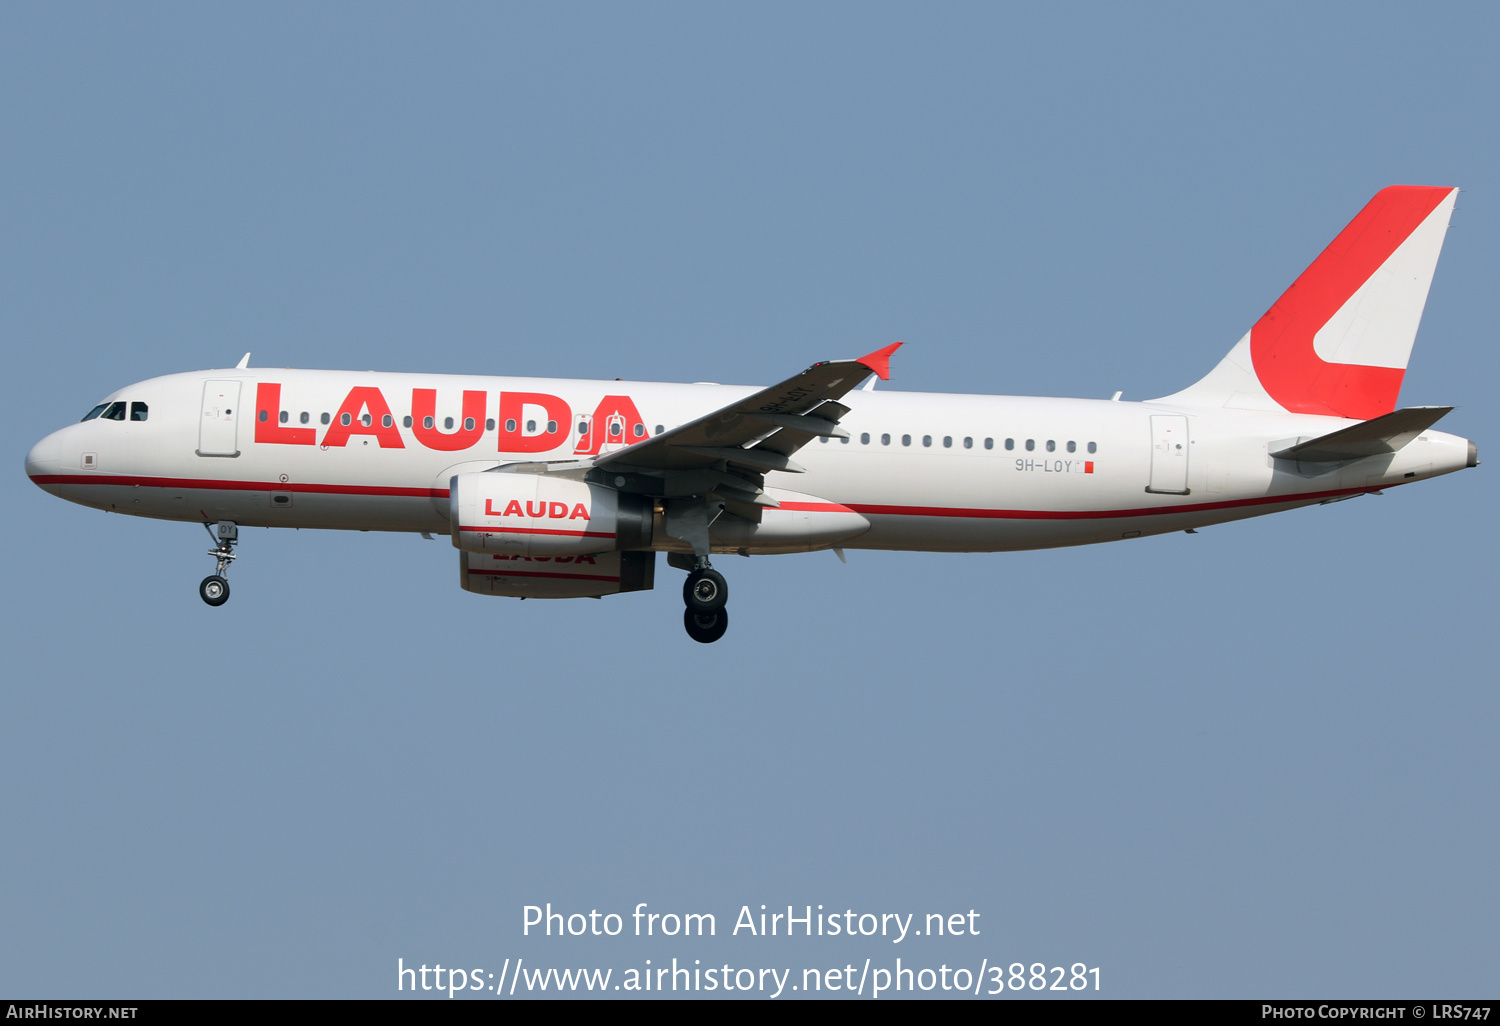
{"x":760,"y":460}
{"x":813,"y":423}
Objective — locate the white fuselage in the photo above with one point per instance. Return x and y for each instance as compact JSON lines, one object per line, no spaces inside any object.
{"x":929,"y":471}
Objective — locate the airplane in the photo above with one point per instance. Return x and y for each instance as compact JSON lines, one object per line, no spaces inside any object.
{"x":556,"y":488}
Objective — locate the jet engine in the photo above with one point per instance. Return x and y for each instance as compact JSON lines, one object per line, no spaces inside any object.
{"x":581,"y":576}
{"x":539,"y":514}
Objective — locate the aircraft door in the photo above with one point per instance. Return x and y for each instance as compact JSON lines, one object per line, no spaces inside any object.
{"x":217,"y":429}
{"x":614,"y":433}
{"x":1169,"y":455}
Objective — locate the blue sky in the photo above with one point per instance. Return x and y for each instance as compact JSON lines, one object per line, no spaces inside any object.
{"x":1259,"y":760}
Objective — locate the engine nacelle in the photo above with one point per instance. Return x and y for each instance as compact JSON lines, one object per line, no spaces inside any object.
{"x":544,"y":515}
{"x":583,"y":576}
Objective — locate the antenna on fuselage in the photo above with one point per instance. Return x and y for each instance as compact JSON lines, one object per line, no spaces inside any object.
{"x":244,"y":362}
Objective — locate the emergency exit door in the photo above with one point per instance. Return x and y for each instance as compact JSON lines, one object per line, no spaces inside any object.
{"x":217,"y":429}
{"x":1169,"y":455}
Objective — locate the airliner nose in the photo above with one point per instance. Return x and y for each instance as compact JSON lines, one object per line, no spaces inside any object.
{"x":44,"y":458}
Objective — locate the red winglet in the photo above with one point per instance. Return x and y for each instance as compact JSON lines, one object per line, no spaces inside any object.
{"x":880,"y":360}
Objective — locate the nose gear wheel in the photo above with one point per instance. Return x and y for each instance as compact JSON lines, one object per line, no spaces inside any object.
{"x":214,"y":589}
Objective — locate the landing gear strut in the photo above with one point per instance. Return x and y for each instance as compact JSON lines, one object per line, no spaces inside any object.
{"x":704,"y":593}
{"x":214,"y":589}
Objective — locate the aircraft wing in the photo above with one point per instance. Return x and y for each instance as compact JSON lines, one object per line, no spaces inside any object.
{"x":760,"y":432}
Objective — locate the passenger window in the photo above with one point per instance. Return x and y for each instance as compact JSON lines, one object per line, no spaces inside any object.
{"x":1051,"y":445}
{"x":1072,"y":446}
{"x":468,"y":423}
{"x":947,"y":441}
{"x":405,"y":421}
{"x":366,"y":419}
{"x":489,"y":425}
{"x":583,"y":427}
{"x":906,"y":439}
{"x":427,"y":423}
{"x":614,"y":431}
{"x":989,"y":443}
{"x":304,"y":418}
{"x":1030,"y":444}
{"x":344,"y":419}
{"x":968,"y":443}
{"x":263,"y":416}
{"x":639,"y":431}
{"x":531,"y":427}
{"x":864,"y":438}
{"x":885,"y":439}
{"x":552,"y":427}
{"x":845,"y":439}
{"x":1010,"y":443}
{"x":926,"y":440}
{"x":284,"y":416}
{"x":325,"y":418}
{"x":138,"y":411}
{"x":510,"y":425}
{"x":1093,"y":448}
{"x":386,"y":421}
{"x":447,"y":423}
{"x":94,"y":412}
{"x":658,"y":429}
{"x":823,"y":439}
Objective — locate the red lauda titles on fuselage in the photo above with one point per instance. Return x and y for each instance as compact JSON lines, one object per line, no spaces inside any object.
{"x":364,"y":411}
{"x":616,"y":422}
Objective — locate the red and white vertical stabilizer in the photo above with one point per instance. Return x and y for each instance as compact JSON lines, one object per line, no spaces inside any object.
{"x":1336,"y":343}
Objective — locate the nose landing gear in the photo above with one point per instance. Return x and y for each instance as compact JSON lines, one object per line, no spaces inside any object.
{"x":214,"y":589}
{"x":704,"y":593}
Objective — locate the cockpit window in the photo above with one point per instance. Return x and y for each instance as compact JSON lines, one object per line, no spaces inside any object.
{"x":94,"y":412}
{"x":115,"y":411}
{"x":138,"y":411}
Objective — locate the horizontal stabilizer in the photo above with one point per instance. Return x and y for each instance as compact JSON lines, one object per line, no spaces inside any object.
{"x":1377,"y":437}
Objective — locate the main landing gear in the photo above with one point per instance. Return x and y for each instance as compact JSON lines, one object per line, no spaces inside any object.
{"x":214,"y":589}
{"x":704,"y":593}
